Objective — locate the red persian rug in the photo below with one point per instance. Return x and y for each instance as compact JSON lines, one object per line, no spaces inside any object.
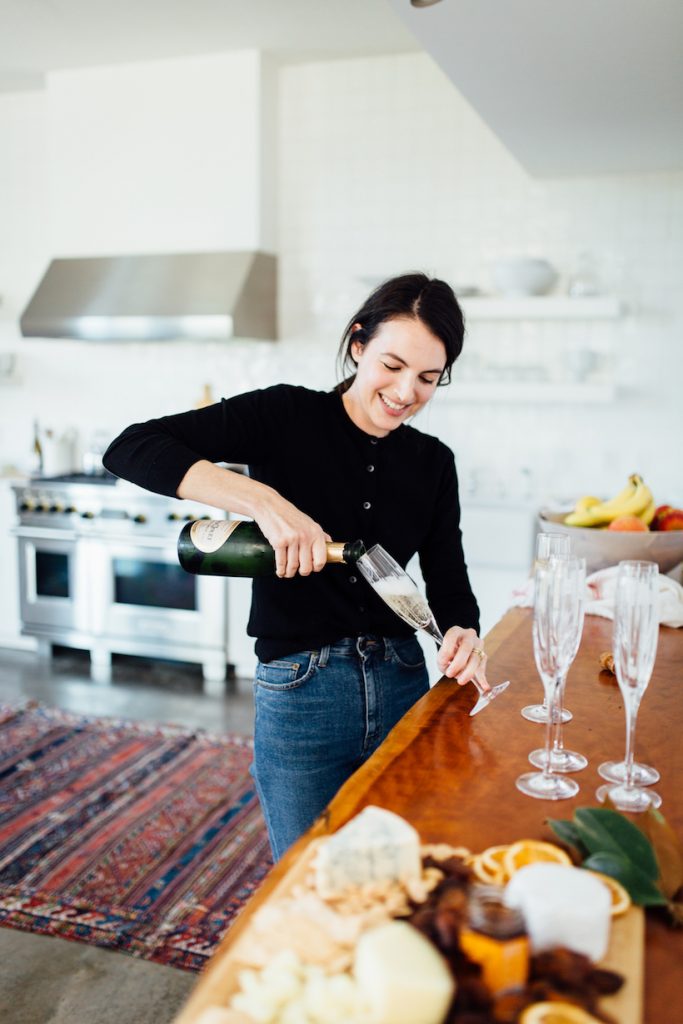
{"x":146,"y":839}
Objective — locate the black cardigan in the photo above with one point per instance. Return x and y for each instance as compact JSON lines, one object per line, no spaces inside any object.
{"x":400,"y":491}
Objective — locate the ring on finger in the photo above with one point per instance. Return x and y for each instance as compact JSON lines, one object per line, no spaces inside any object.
{"x":480,"y":654}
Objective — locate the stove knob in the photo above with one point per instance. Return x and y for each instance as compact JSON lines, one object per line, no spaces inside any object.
{"x":70,"y":508}
{"x":27,"y":506}
{"x":173,"y":516}
{"x":205,"y":517}
{"x":140,"y":518}
{"x":87,"y":515}
{"x":189,"y":518}
{"x":56,"y":508}
{"x":42,"y":507}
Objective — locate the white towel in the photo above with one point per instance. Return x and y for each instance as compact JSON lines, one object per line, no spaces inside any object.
{"x":600,"y":588}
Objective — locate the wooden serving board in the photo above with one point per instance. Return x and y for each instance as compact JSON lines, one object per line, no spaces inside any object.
{"x":625,"y":955}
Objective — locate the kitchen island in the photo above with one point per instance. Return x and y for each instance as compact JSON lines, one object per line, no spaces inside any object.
{"x":452,"y":776}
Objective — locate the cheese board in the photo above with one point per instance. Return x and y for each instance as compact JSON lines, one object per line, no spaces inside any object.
{"x":221,"y":980}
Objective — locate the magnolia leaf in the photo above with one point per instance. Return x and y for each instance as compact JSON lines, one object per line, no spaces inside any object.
{"x":568,"y":833}
{"x":605,"y":831}
{"x":667,"y":850}
{"x":640,"y":888}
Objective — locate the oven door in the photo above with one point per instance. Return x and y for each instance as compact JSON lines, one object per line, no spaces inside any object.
{"x":143,"y":593}
{"x":52,"y":584}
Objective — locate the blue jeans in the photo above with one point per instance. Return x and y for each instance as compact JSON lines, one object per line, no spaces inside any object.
{"x":319,"y":716}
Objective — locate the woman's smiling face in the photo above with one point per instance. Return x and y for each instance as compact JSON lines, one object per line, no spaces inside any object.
{"x":397,"y":372}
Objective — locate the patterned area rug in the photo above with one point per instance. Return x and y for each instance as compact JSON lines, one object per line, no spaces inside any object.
{"x":145,"y":839}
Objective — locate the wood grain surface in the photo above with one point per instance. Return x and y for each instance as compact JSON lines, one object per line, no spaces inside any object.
{"x":453,"y":776}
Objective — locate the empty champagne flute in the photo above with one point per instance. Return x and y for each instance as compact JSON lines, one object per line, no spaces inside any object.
{"x":548,"y":545}
{"x":401,"y":593}
{"x":558,"y":612}
{"x":561,"y":759}
{"x":634,"y":641}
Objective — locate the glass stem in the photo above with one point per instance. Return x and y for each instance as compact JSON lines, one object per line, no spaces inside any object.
{"x":631,"y":709}
{"x":558,"y":742}
{"x":550,"y":725}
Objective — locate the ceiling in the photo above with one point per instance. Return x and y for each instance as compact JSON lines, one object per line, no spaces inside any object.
{"x":37,"y":36}
{"x":573,"y":87}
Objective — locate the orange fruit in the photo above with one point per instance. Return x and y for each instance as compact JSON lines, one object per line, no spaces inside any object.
{"x":532,"y":851}
{"x":556,"y":1013}
{"x":621,"y":900}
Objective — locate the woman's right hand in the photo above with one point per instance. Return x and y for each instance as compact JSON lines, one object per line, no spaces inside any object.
{"x":299,"y":541}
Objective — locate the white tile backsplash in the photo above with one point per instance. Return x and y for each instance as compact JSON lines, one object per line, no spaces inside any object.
{"x":383,"y":167}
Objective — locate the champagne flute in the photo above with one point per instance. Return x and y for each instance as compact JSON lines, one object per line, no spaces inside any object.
{"x":548,"y":545}
{"x":634,"y":640}
{"x":558,"y":609}
{"x":401,"y":593}
{"x":561,"y":759}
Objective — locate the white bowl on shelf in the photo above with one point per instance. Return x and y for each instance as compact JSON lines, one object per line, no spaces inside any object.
{"x":602,"y":548}
{"x":523,"y":276}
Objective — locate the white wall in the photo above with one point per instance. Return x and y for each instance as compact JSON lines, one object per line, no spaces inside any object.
{"x":381,"y":167}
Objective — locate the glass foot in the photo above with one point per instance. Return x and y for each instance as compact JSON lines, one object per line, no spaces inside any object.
{"x":615,"y":771}
{"x":631,"y":798}
{"x":539,"y":713}
{"x":560,"y":760}
{"x":546,"y":787}
{"x":486,"y":698}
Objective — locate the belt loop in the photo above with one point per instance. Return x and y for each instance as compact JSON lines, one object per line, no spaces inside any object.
{"x":324,"y":656}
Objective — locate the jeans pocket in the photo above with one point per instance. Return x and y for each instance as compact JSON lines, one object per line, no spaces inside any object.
{"x":406,"y":652}
{"x":287,"y":673}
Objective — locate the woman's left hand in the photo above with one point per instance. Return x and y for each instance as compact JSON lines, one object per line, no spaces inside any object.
{"x":462,"y":656}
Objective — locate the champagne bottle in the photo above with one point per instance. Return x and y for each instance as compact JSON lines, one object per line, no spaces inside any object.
{"x":237,"y":547}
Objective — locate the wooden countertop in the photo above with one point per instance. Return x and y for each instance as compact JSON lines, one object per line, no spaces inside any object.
{"x":452,"y":776}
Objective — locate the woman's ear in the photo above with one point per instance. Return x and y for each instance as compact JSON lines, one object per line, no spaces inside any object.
{"x":357,"y":345}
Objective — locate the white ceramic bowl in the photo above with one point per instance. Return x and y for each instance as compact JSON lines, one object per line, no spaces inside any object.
{"x":601,"y":548}
{"x":523,"y":276}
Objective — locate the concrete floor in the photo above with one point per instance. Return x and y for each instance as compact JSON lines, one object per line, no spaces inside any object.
{"x":46,"y":980}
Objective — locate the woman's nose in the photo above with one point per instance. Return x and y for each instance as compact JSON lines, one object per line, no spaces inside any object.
{"x":405,"y":390}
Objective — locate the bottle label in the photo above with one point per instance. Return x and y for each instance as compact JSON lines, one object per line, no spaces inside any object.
{"x":209,"y":535}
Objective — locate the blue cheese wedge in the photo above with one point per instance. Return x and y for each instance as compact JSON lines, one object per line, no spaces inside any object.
{"x":375,"y":846}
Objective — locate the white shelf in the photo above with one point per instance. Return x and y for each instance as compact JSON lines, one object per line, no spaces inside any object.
{"x":542,"y":307}
{"x":516,"y":392}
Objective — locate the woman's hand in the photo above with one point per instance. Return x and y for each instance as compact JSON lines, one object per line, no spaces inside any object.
{"x":462,"y":656}
{"x":299,"y":541}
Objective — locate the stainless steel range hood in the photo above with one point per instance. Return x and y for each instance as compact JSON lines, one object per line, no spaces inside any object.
{"x":197,"y":295}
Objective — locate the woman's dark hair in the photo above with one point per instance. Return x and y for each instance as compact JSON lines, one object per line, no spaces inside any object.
{"x":415,"y":296}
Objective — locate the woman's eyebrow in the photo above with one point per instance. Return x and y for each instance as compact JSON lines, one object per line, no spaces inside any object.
{"x":392,"y":355}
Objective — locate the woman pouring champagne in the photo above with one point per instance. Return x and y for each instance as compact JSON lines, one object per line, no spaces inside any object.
{"x":336,"y":667}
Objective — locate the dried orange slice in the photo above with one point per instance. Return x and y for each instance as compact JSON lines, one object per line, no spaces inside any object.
{"x":532,"y":851}
{"x":494,"y":875}
{"x":621,"y":900}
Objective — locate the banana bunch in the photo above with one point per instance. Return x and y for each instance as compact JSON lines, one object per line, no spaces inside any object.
{"x":634,"y":500}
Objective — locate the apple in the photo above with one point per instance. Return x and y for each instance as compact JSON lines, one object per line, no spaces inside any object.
{"x":628,"y":523}
{"x":660,"y":512}
{"x":671,"y":520}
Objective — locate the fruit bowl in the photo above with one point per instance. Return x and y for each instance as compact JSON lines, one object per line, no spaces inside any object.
{"x":602,"y":547}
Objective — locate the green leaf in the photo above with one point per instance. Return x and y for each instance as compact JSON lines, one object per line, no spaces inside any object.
{"x":667,"y":850}
{"x":568,"y":833}
{"x":605,"y":831}
{"x":640,"y":888}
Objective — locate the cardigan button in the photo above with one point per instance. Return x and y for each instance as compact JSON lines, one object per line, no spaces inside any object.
{"x":366,"y":505}
{"x":371,"y":469}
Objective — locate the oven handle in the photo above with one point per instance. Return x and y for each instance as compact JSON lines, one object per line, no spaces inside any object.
{"x":43,"y":533}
